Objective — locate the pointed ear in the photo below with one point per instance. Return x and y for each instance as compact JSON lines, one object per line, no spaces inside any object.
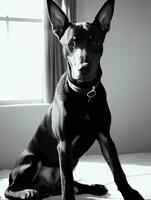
{"x":104,"y":16}
{"x":57,"y":18}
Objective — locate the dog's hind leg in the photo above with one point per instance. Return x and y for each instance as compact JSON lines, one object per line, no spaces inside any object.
{"x":21,"y":177}
{"x":95,"y":189}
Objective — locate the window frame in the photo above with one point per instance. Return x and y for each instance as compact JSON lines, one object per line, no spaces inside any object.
{"x":27,"y":101}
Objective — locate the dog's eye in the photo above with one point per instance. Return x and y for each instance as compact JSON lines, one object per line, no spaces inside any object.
{"x":71,"y":44}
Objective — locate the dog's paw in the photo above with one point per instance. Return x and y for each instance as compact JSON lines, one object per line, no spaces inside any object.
{"x":28,"y":194}
{"x":132,"y":194}
{"x":98,"y":189}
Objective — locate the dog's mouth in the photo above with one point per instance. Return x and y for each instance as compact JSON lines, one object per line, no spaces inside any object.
{"x":85,"y":83}
{"x":83,"y":69}
{"x":86,"y":79}
{"x":83,"y":72}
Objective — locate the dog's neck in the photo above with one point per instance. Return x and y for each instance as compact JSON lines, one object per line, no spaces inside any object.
{"x":88,"y":88}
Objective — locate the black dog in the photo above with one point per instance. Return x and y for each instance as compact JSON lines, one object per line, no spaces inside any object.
{"x":78,"y":116}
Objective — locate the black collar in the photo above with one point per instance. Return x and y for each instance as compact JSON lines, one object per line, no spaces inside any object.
{"x":90,"y":92}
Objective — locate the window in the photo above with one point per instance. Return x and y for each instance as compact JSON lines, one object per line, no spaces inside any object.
{"x":21,"y":51}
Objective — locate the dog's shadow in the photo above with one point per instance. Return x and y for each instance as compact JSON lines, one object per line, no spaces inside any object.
{"x":104,"y":197}
{"x":91,"y":197}
{"x":83,"y":197}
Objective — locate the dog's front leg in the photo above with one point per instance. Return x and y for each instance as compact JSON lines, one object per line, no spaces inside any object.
{"x":67,"y":187}
{"x":110,"y":154}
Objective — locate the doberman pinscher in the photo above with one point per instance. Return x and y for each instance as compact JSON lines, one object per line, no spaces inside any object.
{"x":78,"y":115}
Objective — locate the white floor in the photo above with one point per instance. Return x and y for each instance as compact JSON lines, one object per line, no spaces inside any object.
{"x":93,"y":169}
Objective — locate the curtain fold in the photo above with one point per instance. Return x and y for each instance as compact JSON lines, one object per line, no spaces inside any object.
{"x":55,"y":62}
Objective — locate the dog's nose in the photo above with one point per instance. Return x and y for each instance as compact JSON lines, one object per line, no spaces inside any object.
{"x":84,"y":68}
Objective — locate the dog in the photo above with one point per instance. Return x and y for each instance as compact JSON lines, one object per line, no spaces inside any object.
{"x":78,"y":115}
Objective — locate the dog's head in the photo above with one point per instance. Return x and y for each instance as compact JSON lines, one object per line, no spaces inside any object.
{"x":82,"y":42}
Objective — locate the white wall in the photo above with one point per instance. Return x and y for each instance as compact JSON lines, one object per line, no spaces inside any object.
{"x":126,"y":65}
{"x":17,"y":126}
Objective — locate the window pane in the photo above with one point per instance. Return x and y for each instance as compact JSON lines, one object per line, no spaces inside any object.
{"x":21,"y":8}
{"x":21,"y":50}
{"x":21,"y":63}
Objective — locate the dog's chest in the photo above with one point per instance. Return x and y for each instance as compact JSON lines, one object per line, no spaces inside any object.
{"x":84,"y":121}
{"x":83,"y":134}
{"x":87,"y":117}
